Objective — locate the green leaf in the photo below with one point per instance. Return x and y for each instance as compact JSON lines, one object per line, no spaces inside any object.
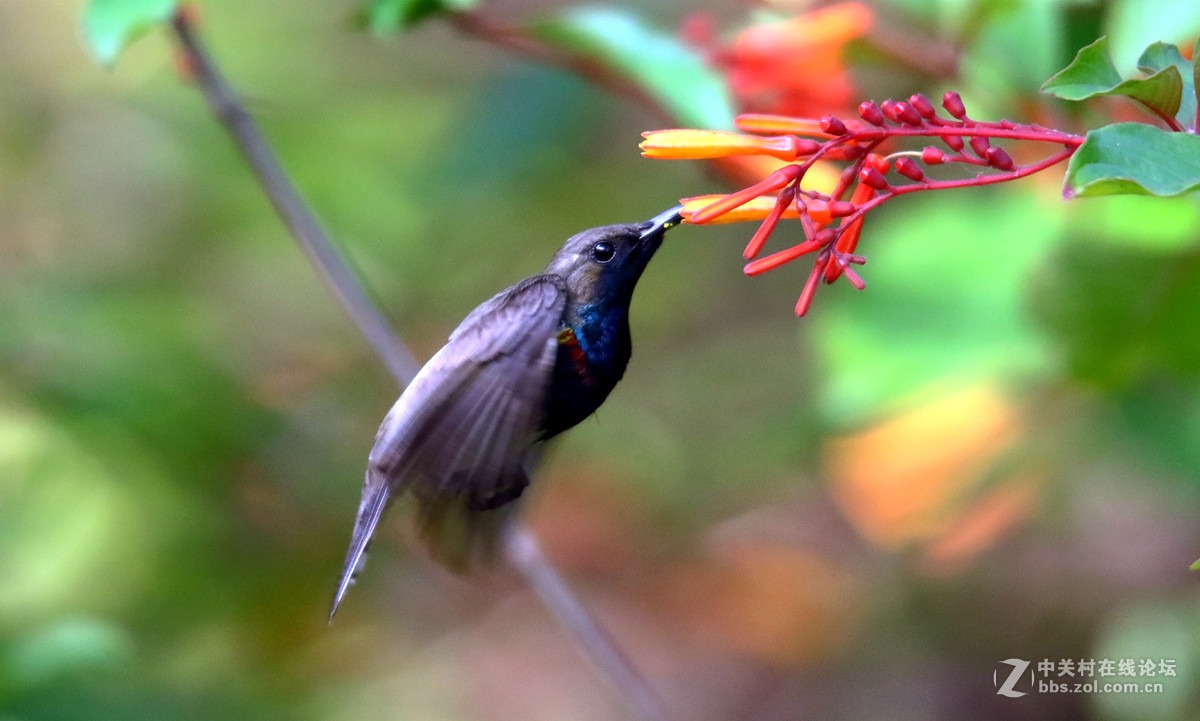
{"x":1160,"y":57}
{"x":672,"y":73}
{"x":1195,"y":566}
{"x":1134,"y":158}
{"x":1091,"y":74}
{"x":109,"y":26}
{"x":385,"y":17}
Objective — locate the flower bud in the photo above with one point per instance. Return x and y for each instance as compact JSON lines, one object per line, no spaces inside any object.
{"x":954,"y":142}
{"x":873,"y":178}
{"x":908,"y":115}
{"x":980,"y":145}
{"x":932,"y":156}
{"x":998,"y":159}
{"x":953,"y":104}
{"x":922,"y":106}
{"x":840,"y":209}
{"x":832,"y":125}
{"x":888,"y":108}
{"x":871,"y":113}
{"x":878,"y":162}
{"x":909,"y":169}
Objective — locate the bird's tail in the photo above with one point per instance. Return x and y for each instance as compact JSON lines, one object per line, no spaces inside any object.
{"x":374,"y":502}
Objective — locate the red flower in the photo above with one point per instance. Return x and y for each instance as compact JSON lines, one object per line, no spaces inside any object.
{"x":795,"y":66}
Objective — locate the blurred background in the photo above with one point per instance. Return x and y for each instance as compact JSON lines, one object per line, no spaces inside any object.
{"x":991,"y":453}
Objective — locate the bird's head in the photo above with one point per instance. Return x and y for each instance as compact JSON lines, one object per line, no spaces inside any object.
{"x":604,"y":264}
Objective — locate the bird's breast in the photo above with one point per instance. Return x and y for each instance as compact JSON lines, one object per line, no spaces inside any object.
{"x":591,"y":359}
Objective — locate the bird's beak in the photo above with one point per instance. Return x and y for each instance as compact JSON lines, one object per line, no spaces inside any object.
{"x":662,"y":222}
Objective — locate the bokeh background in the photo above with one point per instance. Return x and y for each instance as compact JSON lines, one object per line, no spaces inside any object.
{"x":993,"y":452}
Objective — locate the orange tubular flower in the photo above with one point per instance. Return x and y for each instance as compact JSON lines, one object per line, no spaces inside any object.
{"x":700,"y":144}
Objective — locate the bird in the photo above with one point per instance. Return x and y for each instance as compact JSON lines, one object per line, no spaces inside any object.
{"x":524,"y":366}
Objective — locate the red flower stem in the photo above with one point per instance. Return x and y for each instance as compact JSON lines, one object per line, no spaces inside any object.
{"x":1015,"y":174}
{"x":989,"y":130}
{"x":1020,"y":172}
{"x":1171,"y":122}
{"x":847,"y":179}
{"x":774,"y":260}
{"x":780,"y":178}
{"x":786,"y":196}
{"x":964,"y":158}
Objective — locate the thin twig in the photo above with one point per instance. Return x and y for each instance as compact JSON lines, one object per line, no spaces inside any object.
{"x":292,"y":209}
{"x":525,"y":555}
{"x":520,"y":545}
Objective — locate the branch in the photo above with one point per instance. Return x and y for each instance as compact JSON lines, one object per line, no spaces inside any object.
{"x":296,"y":215}
{"x":522,"y":551}
{"x":520,"y":546}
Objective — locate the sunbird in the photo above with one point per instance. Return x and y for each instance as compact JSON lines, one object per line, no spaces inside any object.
{"x":533,"y":361}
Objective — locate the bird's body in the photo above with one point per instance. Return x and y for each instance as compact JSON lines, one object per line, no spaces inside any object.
{"x":529,"y":363}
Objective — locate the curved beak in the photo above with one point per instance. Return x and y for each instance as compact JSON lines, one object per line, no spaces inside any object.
{"x":663,"y":222}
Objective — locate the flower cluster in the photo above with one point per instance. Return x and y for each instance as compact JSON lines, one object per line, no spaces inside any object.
{"x":832,"y":222}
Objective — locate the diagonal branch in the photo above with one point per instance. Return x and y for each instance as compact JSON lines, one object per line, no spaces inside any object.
{"x":301,"y":222}
{"x":520,"y":546}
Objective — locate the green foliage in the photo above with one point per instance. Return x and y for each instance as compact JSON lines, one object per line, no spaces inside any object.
{"x":1163,"y":57}
{"x":390,"y":16}
{"x":1134,"y":158}
{"x":674,"y":74}
{"x":109,"y":26}
{"x":1092,"y":75}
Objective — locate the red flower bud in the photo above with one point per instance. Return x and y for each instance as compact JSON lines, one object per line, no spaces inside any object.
{"x":810,"y":286}
{"x":922,"y":105}
{"x":878,"y":162}
{"x":871,"y":113}
{"x":908,"y":115}
{"x":998,"y":159}
{"x":888,"y":108}
{"x":824,"y":236}
{"x":803,"y":146}
{"x":909,"y":169}
{"x":833,"y":125}
{"x":953,"y":104}
{"x":980,"y":145}
{"x":873,"y":178}
{"x":932,"y":156}
{"x":840,"y":209}
{"x":954,"y":142}
{"x":854,"y":278}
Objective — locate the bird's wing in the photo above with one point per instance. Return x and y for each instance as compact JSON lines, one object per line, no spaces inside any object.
{"x":460,"y":433}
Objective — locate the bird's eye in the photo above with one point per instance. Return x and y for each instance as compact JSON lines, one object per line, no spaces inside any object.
{"x":603,"y":251}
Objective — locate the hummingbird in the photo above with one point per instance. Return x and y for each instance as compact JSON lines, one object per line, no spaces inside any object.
{"x":526,"y":365}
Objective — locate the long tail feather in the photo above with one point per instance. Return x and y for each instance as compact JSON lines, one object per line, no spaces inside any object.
{"x":369,"y":514}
